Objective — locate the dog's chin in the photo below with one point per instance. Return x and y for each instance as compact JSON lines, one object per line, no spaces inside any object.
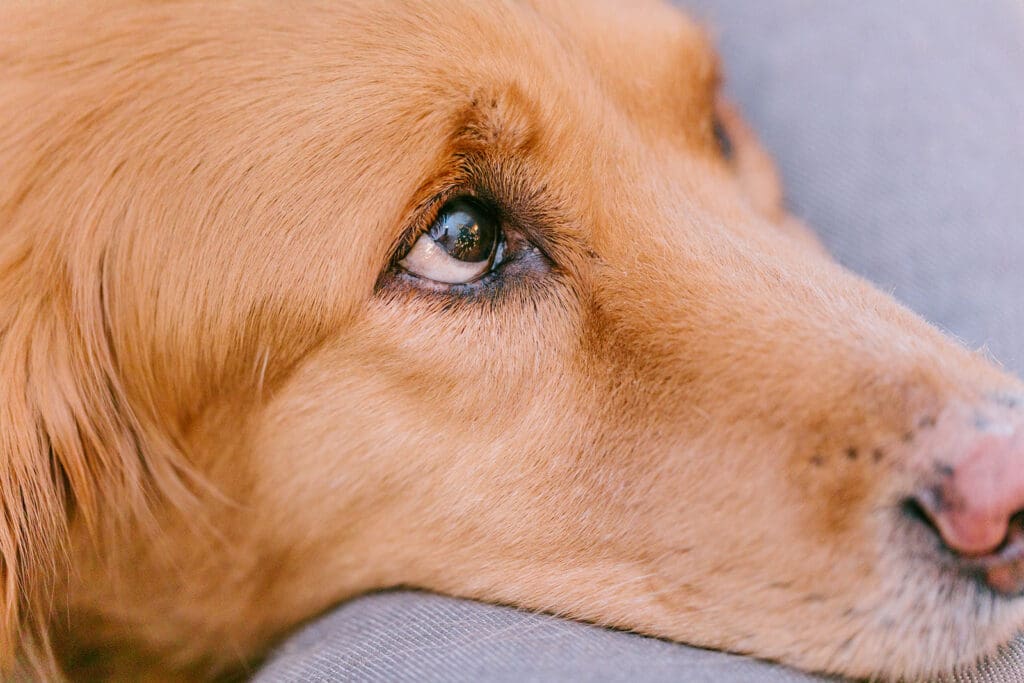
{"x":932,"y":619}
{"x":937,"y":642}
{"x":929,"y":635}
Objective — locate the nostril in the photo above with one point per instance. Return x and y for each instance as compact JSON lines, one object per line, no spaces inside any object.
{"x":1016,"y":528}
{"x":1001,"y":569}
{"x":967,"y":527}
{"x":927,"y":508}
{"x":913,"y":510}
{"x":973,"y":498}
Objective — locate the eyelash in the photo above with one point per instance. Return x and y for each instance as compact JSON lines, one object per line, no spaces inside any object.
{"x":425,"y":216}
{"x":524,"y":263}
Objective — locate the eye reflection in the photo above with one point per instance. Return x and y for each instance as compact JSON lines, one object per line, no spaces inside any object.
{"x":465,"y":232}
{"x":462,"y":244}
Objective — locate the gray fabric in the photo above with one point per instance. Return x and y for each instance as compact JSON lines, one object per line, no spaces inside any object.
{"x":404,"y":636}
{"x":422,"y":637}
{"x":899,"y":128}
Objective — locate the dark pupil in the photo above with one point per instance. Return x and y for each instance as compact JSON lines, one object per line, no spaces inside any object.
{"x":465,"y":231}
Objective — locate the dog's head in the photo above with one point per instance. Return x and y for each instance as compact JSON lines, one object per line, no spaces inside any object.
{"x":493,"y":299}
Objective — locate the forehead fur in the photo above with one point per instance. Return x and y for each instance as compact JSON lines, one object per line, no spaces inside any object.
{"x":294,"y":158}
{"x":279,"y":153}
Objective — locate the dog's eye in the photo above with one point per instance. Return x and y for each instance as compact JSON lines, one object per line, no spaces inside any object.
{"x":461,"y":245}
{"x":722,"y":138}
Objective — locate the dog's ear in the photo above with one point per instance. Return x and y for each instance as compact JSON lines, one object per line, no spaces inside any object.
{"x":70,"y":448}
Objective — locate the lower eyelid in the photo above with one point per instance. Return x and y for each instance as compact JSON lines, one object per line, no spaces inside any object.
{"x":523,"y":265}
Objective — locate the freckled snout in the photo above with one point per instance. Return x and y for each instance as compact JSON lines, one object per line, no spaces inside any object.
{"x":977,"y":503}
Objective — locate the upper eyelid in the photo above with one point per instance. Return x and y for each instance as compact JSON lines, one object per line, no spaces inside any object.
{"x":523,"y":209}
{"x":423,"y":215}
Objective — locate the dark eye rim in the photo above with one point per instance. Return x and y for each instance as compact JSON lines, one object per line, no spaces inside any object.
{"x":723,"y":140}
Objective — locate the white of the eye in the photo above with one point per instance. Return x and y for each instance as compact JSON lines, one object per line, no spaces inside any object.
{"x":428,"y":259}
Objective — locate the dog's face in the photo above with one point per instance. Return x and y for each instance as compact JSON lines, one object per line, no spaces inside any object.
{"x":493,"y":299}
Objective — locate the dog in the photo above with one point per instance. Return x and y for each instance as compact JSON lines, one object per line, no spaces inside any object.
{"x":494,"y":299}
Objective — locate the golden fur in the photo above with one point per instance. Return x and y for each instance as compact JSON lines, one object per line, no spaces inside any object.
{"x":221,"y":413}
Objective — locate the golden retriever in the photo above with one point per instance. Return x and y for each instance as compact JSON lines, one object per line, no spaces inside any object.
{"x":303,"y":300}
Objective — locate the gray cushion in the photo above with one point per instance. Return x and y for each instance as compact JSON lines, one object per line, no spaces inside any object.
{"x":421,"y":637}
{"x":899,"y":128}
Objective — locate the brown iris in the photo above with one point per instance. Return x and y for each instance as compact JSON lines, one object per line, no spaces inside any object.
{"x":465,"y":230}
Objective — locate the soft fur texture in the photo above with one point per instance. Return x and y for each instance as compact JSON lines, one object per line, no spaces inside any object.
{"x":224,"y":409}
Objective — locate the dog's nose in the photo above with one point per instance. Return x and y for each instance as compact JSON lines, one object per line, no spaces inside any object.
{"x":972,"y":504}
{"x":977,"y":507}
